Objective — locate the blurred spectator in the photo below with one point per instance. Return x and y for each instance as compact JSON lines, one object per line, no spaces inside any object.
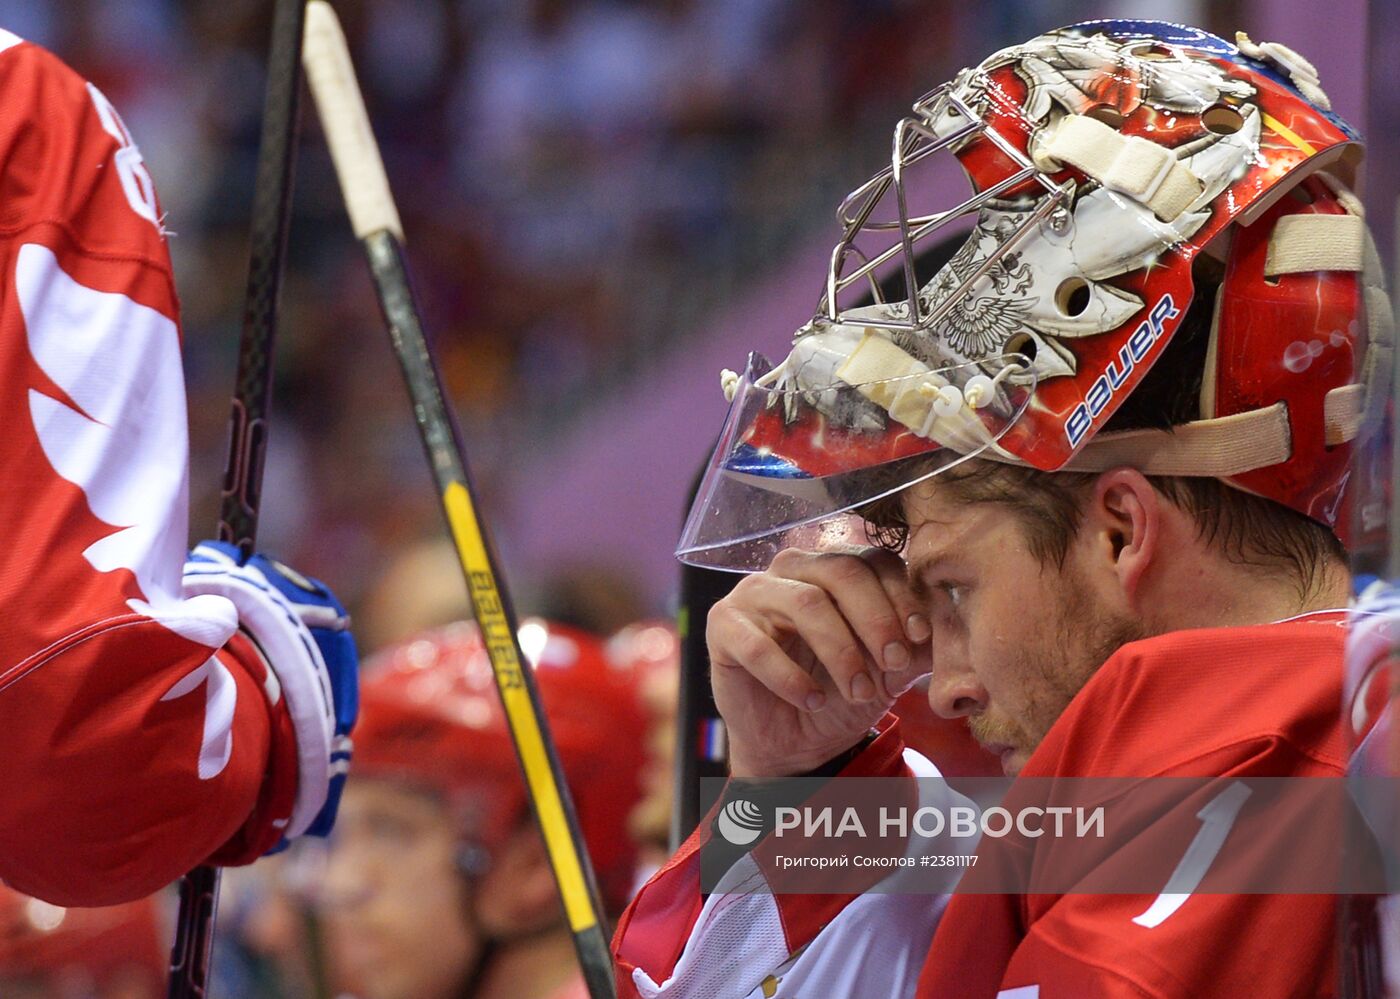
{"x":438,"y":885}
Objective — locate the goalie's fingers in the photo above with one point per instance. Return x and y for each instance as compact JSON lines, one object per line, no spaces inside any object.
{"x":790,"y":609}
{"x":893,"y":573}
{"x":781,"y":605}
{"x":868,"y":592}
{"x":736,"y":642}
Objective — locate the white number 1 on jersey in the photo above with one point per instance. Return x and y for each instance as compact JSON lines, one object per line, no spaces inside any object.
{"x":1216,"y":819}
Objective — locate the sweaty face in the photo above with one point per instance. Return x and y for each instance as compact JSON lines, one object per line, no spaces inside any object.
{"x":1013,"y":640}
{"x":395,"y":903}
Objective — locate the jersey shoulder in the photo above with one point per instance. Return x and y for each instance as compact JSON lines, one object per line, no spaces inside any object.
{"x":1209,"y":700}
{"x":71,"y":170}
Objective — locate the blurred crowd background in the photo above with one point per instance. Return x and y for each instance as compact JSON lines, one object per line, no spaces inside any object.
{"x":586,"y":185}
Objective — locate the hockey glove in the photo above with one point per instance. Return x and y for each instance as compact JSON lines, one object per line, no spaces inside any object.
{"x":302,"y":632}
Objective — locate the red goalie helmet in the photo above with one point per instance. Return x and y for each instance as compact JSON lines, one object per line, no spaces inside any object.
{"x":1104,"y":160}
{"x":430,"y":715}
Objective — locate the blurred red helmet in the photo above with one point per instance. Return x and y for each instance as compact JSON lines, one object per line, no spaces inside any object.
{"x":85,"y":947}
{"x":430,"y":715}
{"x":647,"y":646}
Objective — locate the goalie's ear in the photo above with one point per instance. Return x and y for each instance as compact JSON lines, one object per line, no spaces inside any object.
{"x":1124,"y":528}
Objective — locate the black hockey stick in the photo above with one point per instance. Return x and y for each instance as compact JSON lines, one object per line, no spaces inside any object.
{"x":238,"y":513}
{"x":701,"y":750}
{"x":375,"y":220}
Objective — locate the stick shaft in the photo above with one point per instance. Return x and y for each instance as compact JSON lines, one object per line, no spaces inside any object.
{"x":699,"y":741}
{"x":375,"y":220}
{"x":272,"y":202}
{"x":495,"y":616}
{"x":191,"y":957}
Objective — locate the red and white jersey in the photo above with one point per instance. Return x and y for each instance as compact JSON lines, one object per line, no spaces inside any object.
{"x":1262,"y":701}
{"x":672,"y":943}
{"x":1258,"y":701}
{"x":137,"y":737}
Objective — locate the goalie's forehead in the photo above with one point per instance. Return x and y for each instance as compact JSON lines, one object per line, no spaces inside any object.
{"x":945,"y":514}
{"x":939,"y":548}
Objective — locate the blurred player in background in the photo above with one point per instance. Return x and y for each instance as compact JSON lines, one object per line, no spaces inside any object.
{"x":438,"y":885}
{"x":419,"y":589}
{"x":652,"y":649}
{"x":49,"y":952}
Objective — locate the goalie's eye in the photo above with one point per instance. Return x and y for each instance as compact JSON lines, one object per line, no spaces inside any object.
{"x":946,"y":597}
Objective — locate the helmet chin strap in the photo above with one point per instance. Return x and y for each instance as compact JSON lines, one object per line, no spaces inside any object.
{"x":476,"y":974}
{"x":472,"y":861}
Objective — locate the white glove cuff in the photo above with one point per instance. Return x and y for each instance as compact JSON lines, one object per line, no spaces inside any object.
{"x":292,"y":654}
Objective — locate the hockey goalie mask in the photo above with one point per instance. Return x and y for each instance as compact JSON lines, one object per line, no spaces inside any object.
{"x":1102,"y":158}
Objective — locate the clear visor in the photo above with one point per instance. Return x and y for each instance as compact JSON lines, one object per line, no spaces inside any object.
{"x":782,"y":473}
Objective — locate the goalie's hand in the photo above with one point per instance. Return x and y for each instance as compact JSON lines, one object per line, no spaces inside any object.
{"x":303,"y":633}
{"x":808,"y":655}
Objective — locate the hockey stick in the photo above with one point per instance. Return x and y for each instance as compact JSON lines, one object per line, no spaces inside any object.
{"x":190,"y":959}
{"x":701,"y":752}
{"x":375,"y":220}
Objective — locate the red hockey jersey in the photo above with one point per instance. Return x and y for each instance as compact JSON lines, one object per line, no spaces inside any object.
{"x":1261,"y":701}
{"x":136,"y":735}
